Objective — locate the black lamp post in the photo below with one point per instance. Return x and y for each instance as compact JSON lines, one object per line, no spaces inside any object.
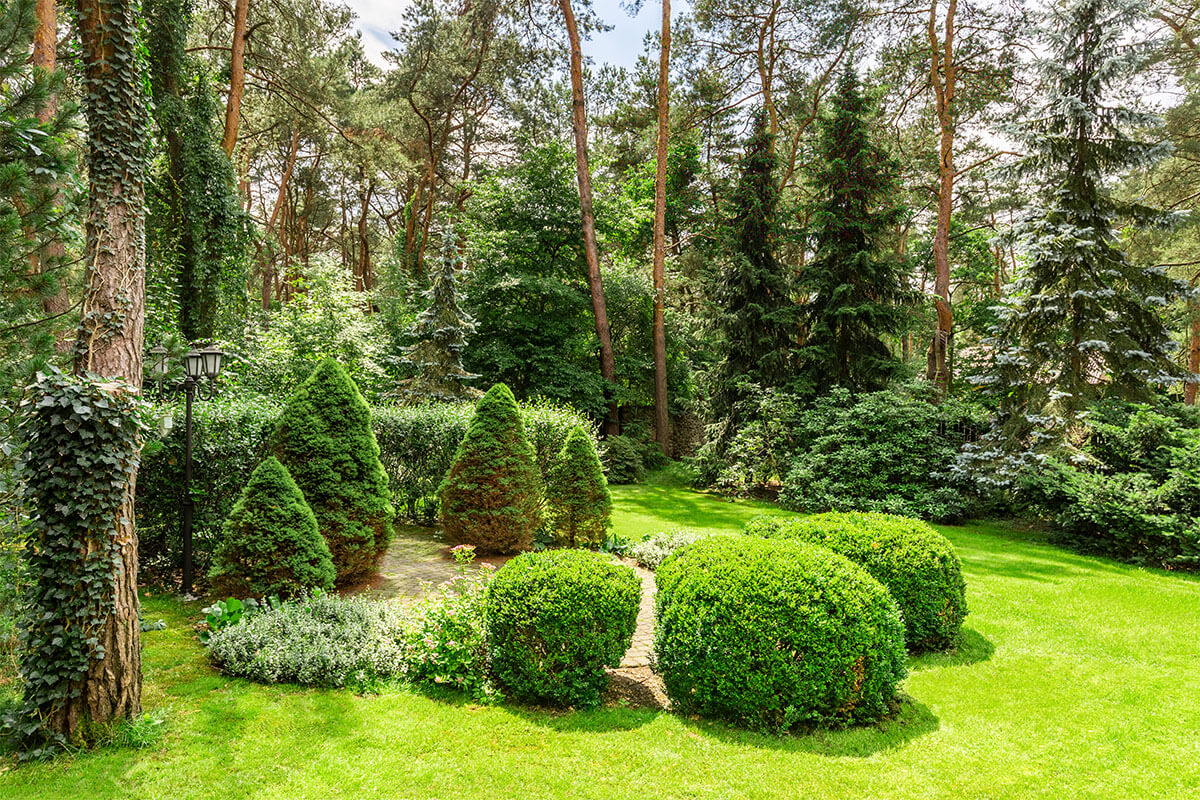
{"x":197,"y":364}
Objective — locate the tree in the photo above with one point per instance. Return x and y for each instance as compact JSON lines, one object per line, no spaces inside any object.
{"x":271,"y":544}
{"x":325,"y":440}
{"x":492,"y":495}
{"x":662,"y":423}
{"x":856,"y":287}
{"x":577,"y":496}
{"x":1084,"y":321}
{"x":442,"y":330}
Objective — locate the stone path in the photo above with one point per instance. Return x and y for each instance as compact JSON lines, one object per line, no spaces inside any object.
{"x":643,"y":636}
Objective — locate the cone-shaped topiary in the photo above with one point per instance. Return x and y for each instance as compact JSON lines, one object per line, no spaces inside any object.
{"x":271,"y":544}
{"x":492,"y":496}
{"x":324,"y":438}
{"x":577,"y":495}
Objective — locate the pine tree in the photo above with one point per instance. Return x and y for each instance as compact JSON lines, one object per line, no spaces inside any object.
{"x":856,"y":287}
{"x":270,"y":544}
{"x":325,"y":440}
{"x":577,"y":496}
{"x":442,"y":329}
{"x":1083,"y":321}
{"x":754,"y":316}
{"x":492,"y":495}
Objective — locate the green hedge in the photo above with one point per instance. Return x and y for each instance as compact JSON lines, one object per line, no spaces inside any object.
{"x":230,"y":438}
{"x":917,"y":564}
{"x":775,"y":634}
{"x":555,"y":620}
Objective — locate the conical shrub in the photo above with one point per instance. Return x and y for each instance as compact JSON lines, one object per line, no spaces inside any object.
{"x":492,"y":496}
{"x":325,"y":440}
{"x":577,"y":496}
{"x":270,"y":544}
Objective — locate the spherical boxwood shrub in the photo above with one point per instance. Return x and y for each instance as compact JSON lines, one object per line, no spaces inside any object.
{"x":555,"y":620}
{"x":916,"y":563}
{"x":270,"y":543}
{"x":577,"y":494}
{"x":492,"y":496}
{"x":773,"y":634}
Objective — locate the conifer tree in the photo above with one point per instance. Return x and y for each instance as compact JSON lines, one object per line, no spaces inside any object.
{"x":492,"y":495}
{"x":270,"y":544}
{"x":577,"y":496}
{"x":325,"y":440}
{"x":1084,"y":321}
{"x":855,"y":284}
{"x":442,"y":330}
{"x":753,"y":313}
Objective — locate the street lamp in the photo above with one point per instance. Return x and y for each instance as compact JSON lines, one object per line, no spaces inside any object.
{"x":197,"y":365}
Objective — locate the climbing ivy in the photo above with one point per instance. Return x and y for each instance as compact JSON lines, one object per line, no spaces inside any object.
{"x":81,"y":442}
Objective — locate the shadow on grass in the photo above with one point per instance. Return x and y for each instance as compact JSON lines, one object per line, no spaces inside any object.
{"x":973,"y":647}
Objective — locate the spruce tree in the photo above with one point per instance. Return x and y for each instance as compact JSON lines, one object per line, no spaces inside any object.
{"x":856,"y":286}
{"x":325,"y":440}
{"x":1084,"y":321}
{"x":442,"y":330}
{"x":753,"y":315}
{"x":270,"y":544}
{"x":577,"y":496}
{"x":492,"y":495}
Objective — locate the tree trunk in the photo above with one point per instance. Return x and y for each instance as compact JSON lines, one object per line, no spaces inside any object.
{"x":662,"y":422}
{"x":943,"y":79}
{"x":109,"y":339}
{"x":237,"y":76}
{"x":268,"y":265}
{"x":1189,"y":388}
{"x":579,"y":125}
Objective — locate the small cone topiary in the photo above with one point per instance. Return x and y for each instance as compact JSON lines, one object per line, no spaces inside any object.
{"x":492,"y":495}
{"x":325,"y":440}
{"x":577,"y":495}
{"x":270,"y":544}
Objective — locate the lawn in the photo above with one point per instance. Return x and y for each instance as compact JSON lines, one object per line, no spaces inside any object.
{"x":1078,"y":678}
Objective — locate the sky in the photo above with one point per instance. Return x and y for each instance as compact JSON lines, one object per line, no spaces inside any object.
{"x":619,"y":46}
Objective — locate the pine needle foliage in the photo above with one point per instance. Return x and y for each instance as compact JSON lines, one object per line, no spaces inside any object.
{"x":1084,"y":321}
{"x":492,"y":495}
{"x":577,"y":496}
{"x":271,"y":544}
{"x":855,"y":283}
{"x":325,"y":440}
{"x":442,"y":330}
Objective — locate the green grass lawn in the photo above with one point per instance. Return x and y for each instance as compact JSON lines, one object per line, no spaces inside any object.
{"x":1078,"y":678}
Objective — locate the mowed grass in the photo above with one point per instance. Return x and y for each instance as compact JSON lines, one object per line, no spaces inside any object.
{"x":1077,"y":678}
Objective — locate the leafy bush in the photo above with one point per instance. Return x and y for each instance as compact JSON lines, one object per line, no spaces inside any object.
{"x":656,"y":548}
{"x":623,"y":461}
{"x":271,"y":544}
{"x":230,"y":612}
{"x":580,"y":505}
{"x":555,"y":620}
{"x":492,"y":496}
{"x":916,"y":563}
{"x":324,"y":438}
{"x":319,"y":641}
{"x":773,"y":634}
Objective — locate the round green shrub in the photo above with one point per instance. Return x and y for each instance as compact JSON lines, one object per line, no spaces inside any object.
{"x":270,"y":544}
{"x":555,"y":620}
{"x":324,"y":438}
{"x":773,"y":634}
{"x":492,"y":496}
{"x":916,"y":563}
{"x":577,"y":495}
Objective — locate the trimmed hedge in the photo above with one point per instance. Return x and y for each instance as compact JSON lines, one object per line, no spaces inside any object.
{"x":271,"y":544}
{"x":774,"y":634}
{"x":917,"y":564}
{"x":555,"y":620}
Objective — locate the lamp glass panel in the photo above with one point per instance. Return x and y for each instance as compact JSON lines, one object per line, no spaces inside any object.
{"x":193,"y":362}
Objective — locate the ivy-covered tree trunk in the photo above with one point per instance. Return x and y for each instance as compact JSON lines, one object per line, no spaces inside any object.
{"x":109,"y":340}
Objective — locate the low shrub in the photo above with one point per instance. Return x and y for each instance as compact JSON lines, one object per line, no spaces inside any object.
{"x":912,"y":560}
{"x":577,"y":496}
{"x":775,"y":634}
{"x":271,"y":544}
{"x":623,"y":460}
{"x":318,"y":641}
{"x":654,"y":549}
{"x":555,"y":620}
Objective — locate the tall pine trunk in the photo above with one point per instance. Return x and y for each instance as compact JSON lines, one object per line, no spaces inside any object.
{"x":109,"y":339}
{"x":591,"y":255}
{"x":943,"y":77}
{"x":662,"y":422}
{"x":237,"y":76}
